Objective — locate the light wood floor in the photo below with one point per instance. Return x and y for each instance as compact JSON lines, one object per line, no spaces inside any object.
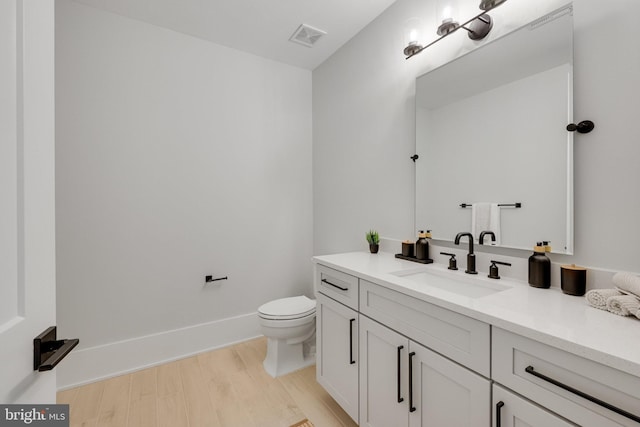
{"x":226,"y":387}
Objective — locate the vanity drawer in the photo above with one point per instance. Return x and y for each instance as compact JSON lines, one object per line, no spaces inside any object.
{"x":335,"y":284}
{"x":460,"y":338}
{"x":569,"y":383}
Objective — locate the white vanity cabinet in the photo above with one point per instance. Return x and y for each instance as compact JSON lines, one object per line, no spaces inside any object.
{"x":384,"y":399}
{"x":445,"y":393}
{"x":375,"y":356}
{"x":337,"y":285}
{"x":459,"y":338}
{"x":580,"y":390}
{"x":513,"y":359}
{"x":403,"y":383}
{"x":337,"y":358}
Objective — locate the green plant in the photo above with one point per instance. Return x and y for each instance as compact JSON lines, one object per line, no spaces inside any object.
{"x":373,"y":237}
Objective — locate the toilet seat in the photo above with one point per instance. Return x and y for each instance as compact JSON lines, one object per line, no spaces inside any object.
{"x":288,"y":308}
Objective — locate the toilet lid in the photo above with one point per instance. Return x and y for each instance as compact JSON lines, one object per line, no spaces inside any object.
{"x":288,"y":308}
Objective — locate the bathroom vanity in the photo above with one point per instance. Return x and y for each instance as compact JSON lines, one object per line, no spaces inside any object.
{"x":400,"y":344}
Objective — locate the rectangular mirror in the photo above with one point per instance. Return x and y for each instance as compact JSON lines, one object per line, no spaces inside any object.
{"x":491,"y":128}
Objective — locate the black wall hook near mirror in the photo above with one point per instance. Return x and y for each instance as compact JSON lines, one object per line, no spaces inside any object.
{"x":414,"y":157}
{"x":584,"y":126}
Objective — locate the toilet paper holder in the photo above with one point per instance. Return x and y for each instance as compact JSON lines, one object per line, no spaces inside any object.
{"x":209,"y":279}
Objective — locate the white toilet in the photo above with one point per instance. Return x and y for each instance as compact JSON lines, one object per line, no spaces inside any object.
{"x":290,"y":327}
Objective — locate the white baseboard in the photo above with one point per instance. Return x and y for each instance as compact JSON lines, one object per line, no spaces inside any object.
{"x":96,"y":363}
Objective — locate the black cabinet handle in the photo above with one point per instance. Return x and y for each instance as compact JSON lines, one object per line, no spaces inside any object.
{"x":531,"y":370}
{"x":499,"y":406}
{"x":411,"y":407}
{"x":334,"y":285}
{"x":351,"y":361}
{"x":400,"y":398}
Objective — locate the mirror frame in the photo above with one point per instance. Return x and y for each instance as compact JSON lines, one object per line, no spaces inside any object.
{"x":569,"y":210}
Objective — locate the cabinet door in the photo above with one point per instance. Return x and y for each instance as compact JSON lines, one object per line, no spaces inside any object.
{"x":337,"y":353}
{"x":510,"y":410}
{"x":383,"y":376}
{"x":444,"y":393}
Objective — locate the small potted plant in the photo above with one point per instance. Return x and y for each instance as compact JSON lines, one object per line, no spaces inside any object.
{"x":374,"y":241}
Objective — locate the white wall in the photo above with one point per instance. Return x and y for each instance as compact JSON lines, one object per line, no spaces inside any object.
{"x":176,"y":158}
{"x":363,"y":128}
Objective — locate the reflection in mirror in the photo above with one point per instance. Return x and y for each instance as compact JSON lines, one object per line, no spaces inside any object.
{"x":491,"y":129}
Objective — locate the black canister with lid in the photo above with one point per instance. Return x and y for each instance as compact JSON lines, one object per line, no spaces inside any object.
{"x":539,"y":268}
{"x":573,"y":280}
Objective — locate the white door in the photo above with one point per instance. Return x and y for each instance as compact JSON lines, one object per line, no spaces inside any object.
{"x":383,"y":376}
{"x":337,"y":353}
{"x":510,"y":410}
{"x":445,"y":393}
{"x":27,"y":209}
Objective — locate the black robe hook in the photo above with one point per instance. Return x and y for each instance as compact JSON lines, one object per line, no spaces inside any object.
{"x":584,"y":126}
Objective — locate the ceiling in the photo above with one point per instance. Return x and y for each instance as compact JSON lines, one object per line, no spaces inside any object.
{"x":261,"y":27}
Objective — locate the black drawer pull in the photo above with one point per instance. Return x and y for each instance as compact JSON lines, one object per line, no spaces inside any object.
{"x":499,"y":406}
{"x":351,"y":361}
{"x":335,"y":286}
{"x":400,"y":398}
{"x":411,"y":407}
{"x":530,"y":370}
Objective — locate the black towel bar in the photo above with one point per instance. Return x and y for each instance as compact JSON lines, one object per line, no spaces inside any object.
{"x":502,"y":205}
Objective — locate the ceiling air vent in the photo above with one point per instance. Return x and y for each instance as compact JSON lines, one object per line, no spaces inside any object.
{"x":306,"y":35}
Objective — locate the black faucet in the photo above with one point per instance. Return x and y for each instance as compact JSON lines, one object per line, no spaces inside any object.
{"x":484,"y":233}
{"x":471,"y":257}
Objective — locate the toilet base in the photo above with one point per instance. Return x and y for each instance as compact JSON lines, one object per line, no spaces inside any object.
{"x":283,"y":358}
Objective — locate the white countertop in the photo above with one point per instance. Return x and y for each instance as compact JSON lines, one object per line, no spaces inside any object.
{"x":547,"y":315}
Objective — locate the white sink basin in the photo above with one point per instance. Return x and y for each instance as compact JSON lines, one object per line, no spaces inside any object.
{"x":458,"y":283}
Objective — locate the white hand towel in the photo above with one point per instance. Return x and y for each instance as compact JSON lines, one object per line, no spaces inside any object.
{"x":598,"y":297}
{"x":485,"y":217}
{"x":627,"y":282}
{"x":623,"y":305}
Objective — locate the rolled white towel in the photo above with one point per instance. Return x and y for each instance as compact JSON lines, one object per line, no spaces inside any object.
{"x":598,"y":297}
{"x":623,"y":305}
{"x":627,"y":282}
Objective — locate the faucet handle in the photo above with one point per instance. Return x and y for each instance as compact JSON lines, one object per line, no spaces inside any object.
{"x":493,"y":269}
{"x":453,"y":265}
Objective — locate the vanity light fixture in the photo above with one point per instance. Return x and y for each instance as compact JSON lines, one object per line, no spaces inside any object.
{"x":412,"y":35}
{"x":477,"y":27}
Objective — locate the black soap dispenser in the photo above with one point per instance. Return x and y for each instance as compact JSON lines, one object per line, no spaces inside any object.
{"x":539,"y":267}
{"x":422,"y":245}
